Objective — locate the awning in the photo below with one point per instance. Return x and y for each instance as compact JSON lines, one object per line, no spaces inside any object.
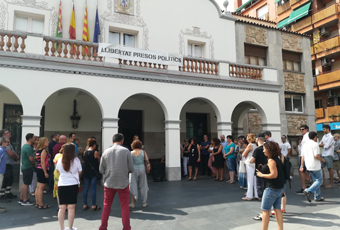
{"x":276,"y":1}
{"x":244,"y":5}
{"x":283,"y":23}
{"x":299,"y":13}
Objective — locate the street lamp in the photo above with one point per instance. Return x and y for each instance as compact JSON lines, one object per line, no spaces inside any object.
{"x":75,"y":117}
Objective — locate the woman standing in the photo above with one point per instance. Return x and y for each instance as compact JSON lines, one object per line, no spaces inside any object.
{"x":138,"y":177}
{"x":68,"y":186}
{"x":56,"y":175}
{"x":242,"y":180}
{"x":194,"y":157}
{"x":272,"y":195}
{"x":186,"y":154}
{"x":250,"y":167}
{"x":42,"y":158}
{"x":218,"y":159}
{"x":90,"y":172}
{"x":229,"y":155}
{"x":211,"y":159}
{"x":34,"y":146}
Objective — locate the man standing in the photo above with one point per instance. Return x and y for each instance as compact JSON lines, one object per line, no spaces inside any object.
{"x":54,"y":141}
{"x":223,"y":142}
{"x":27,"y":167}
{"x":57,"y":147}
{"x":285,"y":147}
{"x":310,"y":155}
{"x":205,"y":154}
{"x":115,"y":165}
{"x":3,"y":144}
{"x":305,"y":132}
{"x":336,"y":158}
{"x":10,"y":158}
{"x":72,"y":138}
{"x":327,"y":143}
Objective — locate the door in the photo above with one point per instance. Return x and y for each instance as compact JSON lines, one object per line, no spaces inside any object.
{"x":196,"y":125}
{"x":130,"y":124}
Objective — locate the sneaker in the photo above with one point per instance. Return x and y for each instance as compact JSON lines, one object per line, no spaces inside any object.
{"x":307,"y":195}
{"x":321,"y":199}
{"x":145,"y":205}
{"x":300,"y":192}
{"x":27,"y":203}
{"x":11,"y":195}
{"x":258,"y":217}
{"x":74,"y":228}
{"x":20,"y":201}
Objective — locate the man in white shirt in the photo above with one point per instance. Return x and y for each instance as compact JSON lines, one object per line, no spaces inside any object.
{"x":286,"y":148}
{"x":303,"y":174}
{"x":310,"y":155}
{"x":327,"y":143}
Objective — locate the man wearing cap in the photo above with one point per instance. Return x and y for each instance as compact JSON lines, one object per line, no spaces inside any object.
{"x":336,"y":158}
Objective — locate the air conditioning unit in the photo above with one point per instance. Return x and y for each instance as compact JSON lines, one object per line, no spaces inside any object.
{"x":325,"y":62}
{"x":282,"y":2}
{"x":331,"y":93}
{"x":324,"y":31}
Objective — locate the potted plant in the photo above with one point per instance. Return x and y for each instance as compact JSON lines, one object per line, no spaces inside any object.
{"x":331,"y":116}
{"x":338,"y":117}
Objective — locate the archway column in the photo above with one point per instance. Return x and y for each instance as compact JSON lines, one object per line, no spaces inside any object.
{"x":109,"y":128}
{"x":172,"y":150}
{"x":238,"y":131}
{"x":224,"y":128}
{"x":275,"y":129}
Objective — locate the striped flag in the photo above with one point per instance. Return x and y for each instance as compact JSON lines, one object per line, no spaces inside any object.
{"x":86,"y":32}
{"x":72,"y":29}
{"x":59,"y":30}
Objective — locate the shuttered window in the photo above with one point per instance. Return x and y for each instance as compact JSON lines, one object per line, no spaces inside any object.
{"x":255,"y":55}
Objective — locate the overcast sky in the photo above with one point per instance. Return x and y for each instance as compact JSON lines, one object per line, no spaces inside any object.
{"x":230,"y":6}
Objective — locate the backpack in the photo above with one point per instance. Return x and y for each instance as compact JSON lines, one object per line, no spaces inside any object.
{"x":287,"y":166}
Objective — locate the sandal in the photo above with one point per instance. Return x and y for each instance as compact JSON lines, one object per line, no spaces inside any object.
{"x":246,"y":199}
{"x":97,"y":208}
{"x":45,"y":206}
{"x":190,"y":178}
{"x":195,"y":178}
{"x":85,"y":207}
{"x":283,"y":211}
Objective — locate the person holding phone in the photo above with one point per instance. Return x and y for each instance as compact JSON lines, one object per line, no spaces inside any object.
{"x":194,"y":157}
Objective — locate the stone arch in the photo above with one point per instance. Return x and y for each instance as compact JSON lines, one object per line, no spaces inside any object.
{"x":12,"y":92}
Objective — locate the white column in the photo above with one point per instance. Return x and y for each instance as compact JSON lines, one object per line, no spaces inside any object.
{"x":224,"y":128}
{"x":109,"y":128}
{"x":172,"y":150}
{"x":275,"y":129}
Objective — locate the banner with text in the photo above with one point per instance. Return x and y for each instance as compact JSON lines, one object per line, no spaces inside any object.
{"x":133,"y":54}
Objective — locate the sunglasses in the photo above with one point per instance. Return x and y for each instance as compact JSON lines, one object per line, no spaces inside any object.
{"x":302,"y":129}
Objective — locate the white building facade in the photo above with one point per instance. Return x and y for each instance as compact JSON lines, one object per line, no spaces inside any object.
{"x":211,"y":94}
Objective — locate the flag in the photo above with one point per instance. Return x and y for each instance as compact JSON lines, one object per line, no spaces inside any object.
{"x":86,"y":34}
{"x":59,"y":30}
{"x":96,"y":29}
{"x":72,"y":29}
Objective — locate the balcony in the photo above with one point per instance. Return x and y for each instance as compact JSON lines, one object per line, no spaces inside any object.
{"x":327,"y":16}
{"x":330,"y":114}
{"x":328,"y":80}
{"x":292,"y":2}
{"x":283,"y":8}
{"x":319,"y":113}
{"x":303,"y":26}
{"x":327,"y":47}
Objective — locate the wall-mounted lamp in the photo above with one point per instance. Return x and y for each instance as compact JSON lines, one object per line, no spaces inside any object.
{"x":75,"y":117}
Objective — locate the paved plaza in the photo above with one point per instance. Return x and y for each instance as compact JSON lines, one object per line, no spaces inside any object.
{"x":201,"y":204}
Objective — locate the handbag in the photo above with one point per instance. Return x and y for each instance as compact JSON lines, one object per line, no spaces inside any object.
{"x":146,"y":163}
{"x":79,"y":189}
{"x":99,"y":175}
{"x":242,"y":167}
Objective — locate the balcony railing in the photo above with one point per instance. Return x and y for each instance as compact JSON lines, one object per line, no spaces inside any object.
{"x":292,"y":2}
{"x":333,"y":110}
{"x":327,"y":45}
{"x":312,"y":50}
{"x":193,"y":65}
{"x":245,"y":72}
{"x":325,"y":13}
{"x":319,"y":113}
{"x":302,"y":24}
{"x":10,"y":41}
{"x":328,"y":77}
{"x":283,"y":8}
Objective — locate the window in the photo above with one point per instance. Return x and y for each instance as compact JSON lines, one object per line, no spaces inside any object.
{"x":318,"y":103}
{"x":294,"y":103}
{"x":291,"y":61}
{"x":255,"y":55}
{"x":263,"y":12}
{"x":122,"y":39}
{"x":195,"y":50}
{"x":29,"y":24}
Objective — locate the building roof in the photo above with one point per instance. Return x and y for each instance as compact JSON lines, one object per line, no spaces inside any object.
{"x":263,"y":23}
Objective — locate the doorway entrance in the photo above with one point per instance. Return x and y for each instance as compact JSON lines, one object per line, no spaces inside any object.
{"x":197,"y":125}
{"x":130,"y":124}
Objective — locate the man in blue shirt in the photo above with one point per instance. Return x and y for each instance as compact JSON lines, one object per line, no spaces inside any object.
{"x":205,"y":154}
{"x":3,"y":154}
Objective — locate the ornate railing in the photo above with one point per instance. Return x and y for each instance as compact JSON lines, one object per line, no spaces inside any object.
{"x":193,"y":65}
{"x":245,"y":72}
{"x":11,"y":41}
{"x":142,"y":64}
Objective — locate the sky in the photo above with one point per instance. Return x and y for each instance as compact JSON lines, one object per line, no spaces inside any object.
{"x":230,"y":6}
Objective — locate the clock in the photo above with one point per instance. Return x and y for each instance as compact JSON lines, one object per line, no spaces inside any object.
{"x":124,"y":6}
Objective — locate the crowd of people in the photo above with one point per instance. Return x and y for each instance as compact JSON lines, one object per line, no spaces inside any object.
{"x":259,"y":164}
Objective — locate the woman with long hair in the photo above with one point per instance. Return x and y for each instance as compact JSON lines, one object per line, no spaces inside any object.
{"x":68,"y":185}
{"x":250,"y":168}
{"x":211,"y":158}
{"x":186,"y":154}
{"x":138,"y":177}
{"x":273,"y":176}
{"x":218,"y":159}
{"x":242,"y":178}
{"x":229,"y":151}
{"x":35,"y":144}
{"x":42,"y":158}
{"x":90,"y":172}
{"x":194,"y":157}
{"x":56,"y":174}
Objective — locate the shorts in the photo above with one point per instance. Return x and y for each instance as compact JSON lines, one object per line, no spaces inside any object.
{"x":328,"y":162}
{"x":272,"y":198}
{"x":304,"y":165}
{"x":68,"y":194}
{"x":27,"y":176}
{"x":41,"y":176}
{"x":231,"y":164}
{"x":336,"y":165}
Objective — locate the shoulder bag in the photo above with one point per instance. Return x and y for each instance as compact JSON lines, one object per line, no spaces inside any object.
{"x":146,"y":163}
{"x":99,"y":175}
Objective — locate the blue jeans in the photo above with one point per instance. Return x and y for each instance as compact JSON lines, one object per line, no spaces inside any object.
{"x":93,"y":182}
{"x":317,"y":182}
{"x":272,"y":198}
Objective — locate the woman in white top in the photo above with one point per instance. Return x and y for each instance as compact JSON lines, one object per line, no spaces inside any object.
{"x":69,"y":167}
{"x":250,"y":167}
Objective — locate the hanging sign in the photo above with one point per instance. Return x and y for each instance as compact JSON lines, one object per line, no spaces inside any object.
{"x":133,"y":54}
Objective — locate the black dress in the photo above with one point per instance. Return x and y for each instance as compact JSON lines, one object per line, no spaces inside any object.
{"x":193,"y":157}
{"x":89,"y":162}
{"x":219,"y":160}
